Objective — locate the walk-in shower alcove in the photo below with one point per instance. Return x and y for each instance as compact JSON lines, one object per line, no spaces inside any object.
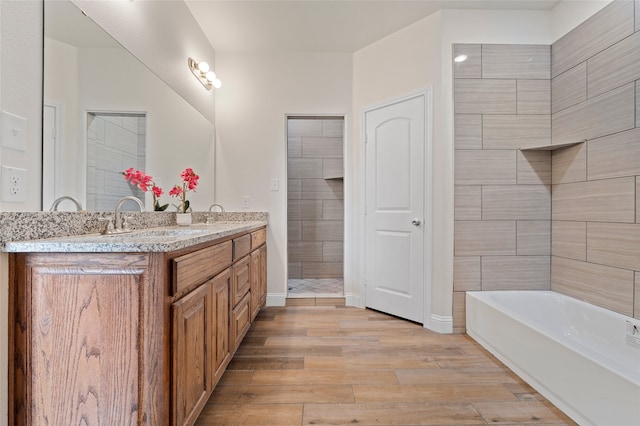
{"x":315,"y":206}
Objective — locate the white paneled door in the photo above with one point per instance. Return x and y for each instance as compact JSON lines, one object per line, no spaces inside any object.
{"x":395,"y":207}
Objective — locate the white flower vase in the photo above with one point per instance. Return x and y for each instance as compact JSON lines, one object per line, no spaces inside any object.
{"x":183,"y":219}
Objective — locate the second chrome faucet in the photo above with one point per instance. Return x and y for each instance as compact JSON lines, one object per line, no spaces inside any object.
{"x":120,"y":222}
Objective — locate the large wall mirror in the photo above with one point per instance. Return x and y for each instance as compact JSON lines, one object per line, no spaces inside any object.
{"x":105,"y":111}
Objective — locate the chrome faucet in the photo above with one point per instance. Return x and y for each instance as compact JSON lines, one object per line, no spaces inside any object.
{"x":216,"y":205}
{"x":54,"y":206}
{"x":119,"y":223}
{"x":209,"y":220}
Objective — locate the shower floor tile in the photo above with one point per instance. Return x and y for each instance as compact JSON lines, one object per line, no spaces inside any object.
{"x":315,"y":287}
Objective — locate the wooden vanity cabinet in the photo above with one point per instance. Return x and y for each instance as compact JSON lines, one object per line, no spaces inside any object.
{"x":87,"y":338}
{"x":240,"y":300}
{"x":258,"y":272}
{"x":193,"y":353}
{"x":220,"y":288}
{"x":200,"y":347}
{"x":125,"y":338}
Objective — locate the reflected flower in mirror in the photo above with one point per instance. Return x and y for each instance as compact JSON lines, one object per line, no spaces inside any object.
{"x":145,"y":183}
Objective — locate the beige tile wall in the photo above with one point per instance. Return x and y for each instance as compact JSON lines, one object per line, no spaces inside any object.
{"x":605,"y":28}
{"x":595,"y":237}
{"x":566,"y":219}
{"x":502,"y":98}
{"x":315,"y":205}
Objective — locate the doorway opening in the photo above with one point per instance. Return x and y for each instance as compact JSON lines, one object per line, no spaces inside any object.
{"x":115,"y":142}
{"x":315,"y":206}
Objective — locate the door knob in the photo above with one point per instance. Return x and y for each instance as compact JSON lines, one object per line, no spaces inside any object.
{"x":415,"y":222}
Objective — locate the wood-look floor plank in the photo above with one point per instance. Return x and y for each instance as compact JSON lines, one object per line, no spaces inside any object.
{"x":289,"y":394}
{"x":320,"y":332}
{"x":366,"y":350}
{"x":439,"y":392}
{"x":391,"y":413}
{"x":287,"y":351}
{"x":266,"y":363}
{"x":330,"y":301}
{"x":368,"y":363}
{"x":247,"y":414}
{"x":464,"y":361}
{"x":520,"y":412}
{"x":339,"y":365}
{"x":445,"y":375}
{"x":236,"y":377}
{"x":335,"y":377}
{"x":320,"y":341}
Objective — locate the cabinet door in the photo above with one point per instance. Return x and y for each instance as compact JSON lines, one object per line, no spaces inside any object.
{"x":220,"y":289}
{"x":240,"y":282}
{"x":192,"y":342}
{"x":263,"y":275}
{"x":77,"y":339}
{"x":255,"y":284}
{"x":240,"y":322}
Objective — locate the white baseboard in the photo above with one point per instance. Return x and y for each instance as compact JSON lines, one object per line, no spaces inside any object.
{"x":440,"y":324}
{"x":354,"y":300}
{"x":277,"y":299}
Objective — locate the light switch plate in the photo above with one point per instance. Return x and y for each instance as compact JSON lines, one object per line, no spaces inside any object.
{"x":246,"y":202}
{"x":13,"y":131}
{"x":14,"y":184}
{"x":275,"y":185}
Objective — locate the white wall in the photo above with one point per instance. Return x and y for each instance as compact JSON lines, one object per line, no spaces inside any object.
{"x":402,"y":63}
{"x":61,"y":87}
{"x":20,"y":94}
{"x":162,"y":34}
{"x":413,"y":58}
{"x":258,"y":91}
{"x":568,"y":14}
{"x":177,"y":136}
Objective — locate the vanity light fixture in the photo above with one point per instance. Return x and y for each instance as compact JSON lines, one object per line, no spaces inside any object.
{"x":204,"y":74}
{"x":460,"y":58}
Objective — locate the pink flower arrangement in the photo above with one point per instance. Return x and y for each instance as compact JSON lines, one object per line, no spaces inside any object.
{"x":189,"y":183}
{"x":145,"y":183}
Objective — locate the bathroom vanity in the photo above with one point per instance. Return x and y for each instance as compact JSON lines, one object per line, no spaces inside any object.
{"x":129,"y":329}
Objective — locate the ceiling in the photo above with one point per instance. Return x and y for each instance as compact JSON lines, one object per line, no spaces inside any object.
{"x":322,"y":25}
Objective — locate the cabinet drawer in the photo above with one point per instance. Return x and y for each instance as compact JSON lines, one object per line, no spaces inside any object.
{"x":258,"y":238}
{"x":240,"y":322}
{"x":241,"y":246}
{"x":195,"y":268}
{"x":241,"y":280}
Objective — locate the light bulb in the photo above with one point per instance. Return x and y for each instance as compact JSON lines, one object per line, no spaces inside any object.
{"x":203,"y":67}
{"x":460,"y":58}
{"x":217,"y":83}
{"x":210,"y":75}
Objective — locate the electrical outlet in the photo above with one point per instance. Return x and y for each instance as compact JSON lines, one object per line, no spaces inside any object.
{"x":246,"y":202}
{"x":275,"y":185}
{"x":14,"y":184}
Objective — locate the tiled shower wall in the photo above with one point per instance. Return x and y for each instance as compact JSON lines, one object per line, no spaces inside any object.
{"x":505,"y":226}
{"x":502,"y":194}
{"x":595,"y":242}
{"x":315,"y":210}
{"x":115,"y":142}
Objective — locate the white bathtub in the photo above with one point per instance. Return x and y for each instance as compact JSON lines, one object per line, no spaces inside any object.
{"x":575,"y":354}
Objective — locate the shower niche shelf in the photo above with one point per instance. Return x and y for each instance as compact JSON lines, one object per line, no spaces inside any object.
{"x":552,"y":147}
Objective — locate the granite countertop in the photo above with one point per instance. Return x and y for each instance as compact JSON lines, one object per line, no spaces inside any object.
{"x":159,"y":239}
